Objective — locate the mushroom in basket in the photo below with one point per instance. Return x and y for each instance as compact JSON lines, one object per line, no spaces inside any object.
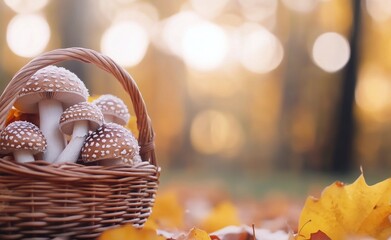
{"x":113,"y":109}
{"x":77,"y":120}
{"x":48,"y":92}
{"x":23,"y":139}
{"x":111,"y":144}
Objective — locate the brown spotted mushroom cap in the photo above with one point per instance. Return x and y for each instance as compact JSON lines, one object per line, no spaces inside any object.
{"x":22,"y":135}
{"x":113,"y":106}
{"x":110,"y":141}
{"x":51,"y":82}
{"x":81,"y":111}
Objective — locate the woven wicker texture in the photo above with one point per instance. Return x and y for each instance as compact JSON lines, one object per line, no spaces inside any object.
{"x":39,"y":200}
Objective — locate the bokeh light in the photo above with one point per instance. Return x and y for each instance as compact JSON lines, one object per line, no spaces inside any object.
{"x":26,"y":6}
{"x":373,"y":92}
{"x":379,"y":10}
{"x":205,"y":46}
{"x":258,"y":10}
{"x":331,"y":51}
{"x":207,"y":8}
{"x":126,"y":42}
{"x":174,"y":28}
{"x":214,"y":132}
{"x":143,"y":13}
{"x":260,"y":50}
{"x":302,"y":6}
{"x":28,"y":34}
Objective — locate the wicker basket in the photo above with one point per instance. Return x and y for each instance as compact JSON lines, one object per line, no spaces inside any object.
{"x":39,"y":200}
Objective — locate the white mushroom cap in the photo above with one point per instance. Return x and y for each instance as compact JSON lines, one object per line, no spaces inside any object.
{"x":51,"y":82}
{"x":113,"y":106}
{"x":79,"y":112}
{"x":22,"y":135}
{"x":110,"y":141}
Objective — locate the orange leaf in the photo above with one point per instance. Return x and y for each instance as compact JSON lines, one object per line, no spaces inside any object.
{"x":319,"y":235}
{"x":167,"y":212}
{"x":15,"y":115}
{"x":225,"y":214}
{"x":197,"y":234}
{"x":129,"y":232}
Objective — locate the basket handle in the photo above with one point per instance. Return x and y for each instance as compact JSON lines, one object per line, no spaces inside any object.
{"x":146,"y":133}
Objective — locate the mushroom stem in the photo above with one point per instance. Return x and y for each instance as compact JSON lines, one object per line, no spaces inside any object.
{"x":72,"y":150}
{"x":23,"y":156}
{"x":50,"y":111}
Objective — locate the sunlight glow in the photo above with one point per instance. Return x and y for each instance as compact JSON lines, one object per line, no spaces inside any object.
{"x":26,"y":6}
{"x":126,"y":42}
{"x":28,"y":34}
{"x":260,"y":51}
{"x":331,"y":51}
{"x":258,"y":10}
{"x":174,"y":28}
{"x":207,"y":8}
{"x":379,"y":10}
{"x":373,"y":92}
{"x":205,"y":46}
{"x":302,"y":6}
{"x":214,"y":132}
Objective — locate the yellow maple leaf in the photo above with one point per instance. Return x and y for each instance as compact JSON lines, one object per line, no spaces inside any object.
{"x":127,"y":232}
{"x":196,"y":234}
{"x":167,"y":212}
{"x":224,"y":214}
{"x":355,"y":209}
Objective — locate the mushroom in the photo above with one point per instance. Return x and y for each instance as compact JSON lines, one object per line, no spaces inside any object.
{"x":23,"y":139}
{"x":49,"y":91}
{"x":110,"y":144}
{"x":113,"y":109}
{"x":77,"y":120}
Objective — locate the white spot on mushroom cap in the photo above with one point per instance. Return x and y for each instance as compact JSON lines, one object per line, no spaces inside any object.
{"x":24,"y":135}
{"x":81,"y":111}
{"x":113,"y":106}
{"x":123,"y":144}
{"x":62,"y":90}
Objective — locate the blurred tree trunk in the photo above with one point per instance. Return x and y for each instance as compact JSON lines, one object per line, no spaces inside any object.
{"x":294,"y":79}
{"x":74,"y":25}
{"x":342,"y":157}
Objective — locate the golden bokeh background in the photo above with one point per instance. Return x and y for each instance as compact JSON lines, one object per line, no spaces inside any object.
{"x":237,"y":86}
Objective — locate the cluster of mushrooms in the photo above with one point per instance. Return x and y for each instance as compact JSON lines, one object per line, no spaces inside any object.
{"x":70,"y":128}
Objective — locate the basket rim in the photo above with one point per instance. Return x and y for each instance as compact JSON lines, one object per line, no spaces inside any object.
{"x":71,"y":172}
{"x":146,"y":136}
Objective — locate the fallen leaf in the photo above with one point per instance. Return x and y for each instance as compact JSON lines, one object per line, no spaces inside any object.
{"x":231,"y":233}
{"x":224,"y":214}
{"x":196,"y":234}
{"x":245,"y":232}
{"x":319,"y":235}
{"x":129,"y":232}
{"x":167,"y":212}
{"x":355,"y":209}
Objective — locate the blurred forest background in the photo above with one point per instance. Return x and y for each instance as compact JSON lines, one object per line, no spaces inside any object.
{"x":236,"y":88}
